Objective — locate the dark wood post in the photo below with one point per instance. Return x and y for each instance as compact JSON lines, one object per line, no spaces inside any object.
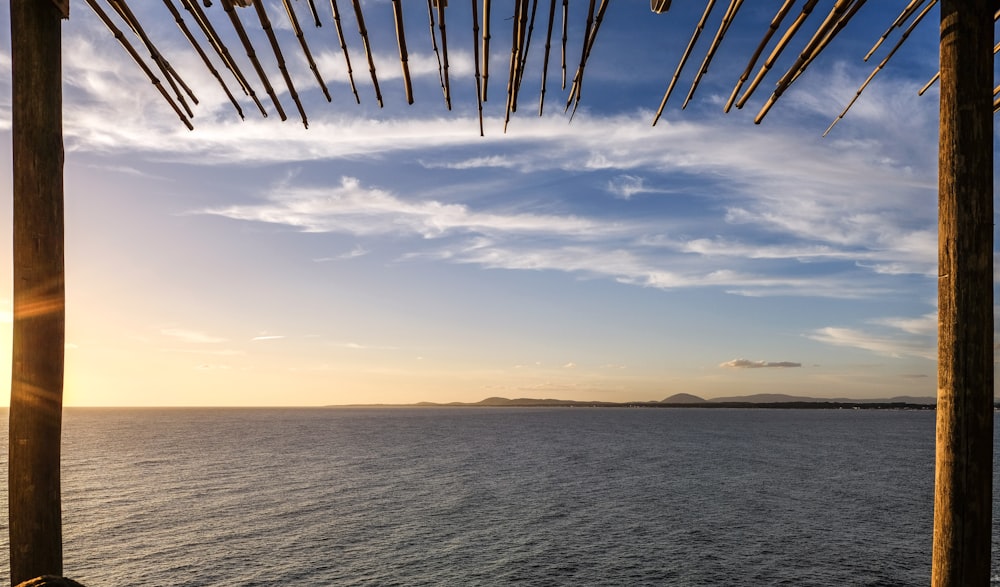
{"x":964,"y":469}
{"x":39,"y":293}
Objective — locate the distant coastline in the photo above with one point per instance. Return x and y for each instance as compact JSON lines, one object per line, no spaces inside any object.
{"x":686,"y":400}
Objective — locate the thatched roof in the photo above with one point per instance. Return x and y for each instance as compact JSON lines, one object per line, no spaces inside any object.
{"x":210,"y":29}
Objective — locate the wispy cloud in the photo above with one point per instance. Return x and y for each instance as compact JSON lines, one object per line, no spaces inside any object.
{"x":191,"y":336}
{"x":626,"y":186}
{"x":882,"y":344}
{"x":748,"y":364}
{"x":357,"y":209}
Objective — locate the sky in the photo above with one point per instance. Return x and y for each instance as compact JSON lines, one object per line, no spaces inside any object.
{"x":393,"y":255}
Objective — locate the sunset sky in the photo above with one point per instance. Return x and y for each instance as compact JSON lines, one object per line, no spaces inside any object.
{"x":393,"y":255}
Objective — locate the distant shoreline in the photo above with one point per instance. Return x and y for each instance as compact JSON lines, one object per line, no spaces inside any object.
{"x":768,"y":401}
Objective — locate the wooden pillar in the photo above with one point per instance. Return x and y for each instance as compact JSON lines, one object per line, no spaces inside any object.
{"x":39,"y":298}
{"x":964,"y":467}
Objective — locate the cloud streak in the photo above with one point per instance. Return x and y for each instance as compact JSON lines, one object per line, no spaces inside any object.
{"x":748,"y":364}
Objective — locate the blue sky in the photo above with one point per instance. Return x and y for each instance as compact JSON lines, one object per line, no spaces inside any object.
{"x":393,"y":255}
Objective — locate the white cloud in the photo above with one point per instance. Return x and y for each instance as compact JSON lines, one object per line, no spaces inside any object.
{"x":356,"y":209}
{"x":626,"y":186}
{"x":748,"y":364}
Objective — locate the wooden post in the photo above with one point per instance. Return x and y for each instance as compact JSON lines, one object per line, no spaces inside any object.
{"x":39,"y":294}
{"x":964,"y":467}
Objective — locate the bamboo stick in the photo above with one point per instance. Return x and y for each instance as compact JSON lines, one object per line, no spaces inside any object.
{"x":305,"y":48}
{"x":486,"y":46}
{"x":222,"y":51}
{"x":929,"y":83}
{"x":174,"y":80}
{"x":397,"y":13}
{"x":907,"y":12}
{"x":527,"y":47}
{"x":520,"y":34}
{"x":879,"y":67}
{"x":578,"y":78}
{"x":227,"y":5}
{"x":775,"y":23}
{"x":343,"y":48}
{"x":444,"y":51}
{"x":684,"y":58}
{"x":265,"y":23}
{"x":475,"y":60}
{"x":776,"y":52}
{"x":368,"y":49}
{"x":937,"y":76}
{"x":315,"y":14}
{"x":841,"y":23}
{"x":825,"y":28}
{"x":201,"y":53}
{"x":545,"y":61}
{"x":727,"y":19}
{"x":565,"y":24}
{"x":512,"y":66}
{"x":583,"y":51}
{"x":138,"y":60}
{"x":434,"y":45}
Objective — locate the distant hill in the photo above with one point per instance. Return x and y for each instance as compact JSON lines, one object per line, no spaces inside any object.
{"x":683,"y":398}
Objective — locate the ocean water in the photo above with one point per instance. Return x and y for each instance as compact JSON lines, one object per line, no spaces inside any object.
{"x":497,"y":496}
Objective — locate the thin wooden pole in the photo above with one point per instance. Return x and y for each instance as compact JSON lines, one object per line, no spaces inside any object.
{"x":964,"y":463}
{"x":39,"y":292}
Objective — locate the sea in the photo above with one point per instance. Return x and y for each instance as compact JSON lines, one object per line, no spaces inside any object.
{"x":497,"y":496}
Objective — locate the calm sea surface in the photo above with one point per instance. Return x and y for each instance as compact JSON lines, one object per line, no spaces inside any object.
{"x":497,"y":496}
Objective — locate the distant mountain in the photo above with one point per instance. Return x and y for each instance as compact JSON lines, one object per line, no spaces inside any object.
{"x":683,"y":398}
{"x":774,"y":398}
